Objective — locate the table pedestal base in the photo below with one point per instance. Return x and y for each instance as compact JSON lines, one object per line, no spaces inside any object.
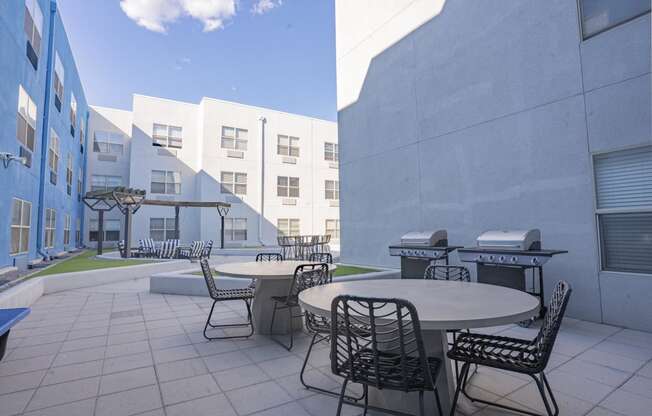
{"x":263,"y":306}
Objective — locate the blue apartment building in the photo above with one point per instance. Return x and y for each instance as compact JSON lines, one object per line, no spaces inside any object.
{"x":43,"y":126}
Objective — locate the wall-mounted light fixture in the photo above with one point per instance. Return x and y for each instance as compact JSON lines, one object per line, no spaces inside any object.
{"x":7,"y":158}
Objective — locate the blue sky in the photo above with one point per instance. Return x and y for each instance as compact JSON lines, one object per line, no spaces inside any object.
{"x":270,"y":53}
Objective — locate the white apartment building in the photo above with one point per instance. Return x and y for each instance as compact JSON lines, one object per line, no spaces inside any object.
{"x":278,"y":171}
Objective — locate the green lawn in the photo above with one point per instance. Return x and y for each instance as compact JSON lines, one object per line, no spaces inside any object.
{"x":86,"y":261}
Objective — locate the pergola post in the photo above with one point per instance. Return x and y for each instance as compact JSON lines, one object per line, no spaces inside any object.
{"x":128,"y":234}
{"x":223,"y":210}
{"x":100,"y":232}
{"x":176,"y":221}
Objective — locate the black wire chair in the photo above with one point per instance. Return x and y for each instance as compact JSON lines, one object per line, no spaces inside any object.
{"x":379,"y":344}
{"x":321,"y":257}
{"x":305,"y":277}
{"x":222,"y":295}
{"x":512,"y":354}
{"x":269,"y":257}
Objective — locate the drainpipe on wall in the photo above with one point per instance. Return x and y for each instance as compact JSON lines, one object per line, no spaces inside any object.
{"x":261,"y":216}
{"x":82,"y":217}
{"x":44,"y":135}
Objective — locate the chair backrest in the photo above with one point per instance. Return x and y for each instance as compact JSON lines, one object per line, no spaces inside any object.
{"x":168,"y":248}
{"x":445,"y":272}
{"x":213,"y":291}
{"x":208,"y":248}
{"x":307,"y":276}
{"x":378,"y":342}
{"x":197,"y":249}
{"x":269,"y":257}
{"x":545,"y":340}
{"x":321,"y":258}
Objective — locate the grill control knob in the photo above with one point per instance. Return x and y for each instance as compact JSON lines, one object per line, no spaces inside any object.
{"x":514,"y":259}
{"x":491,"y":258}
{"x":480,"y":257}
{"x":501,"y":259}
{"x":535,"y":260}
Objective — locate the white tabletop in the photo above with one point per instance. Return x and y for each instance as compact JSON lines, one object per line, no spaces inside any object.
{"x":440,"y":304}
{"x":263,"y":269}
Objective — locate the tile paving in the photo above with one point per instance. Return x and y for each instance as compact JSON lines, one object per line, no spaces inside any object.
{"x":118,"y":350}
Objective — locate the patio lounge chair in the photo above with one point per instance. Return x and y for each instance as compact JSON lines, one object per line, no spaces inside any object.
{"x":194,"y":252}
{"x":207,"y":249}
{"x":147,"y":248}
{"x":512,"y":354}
{"x":361,"y":354}
{"x":168,"y":249}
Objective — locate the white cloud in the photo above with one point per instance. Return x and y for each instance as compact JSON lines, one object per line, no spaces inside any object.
{"x":155,"y":15}
{"x":264,"y":6}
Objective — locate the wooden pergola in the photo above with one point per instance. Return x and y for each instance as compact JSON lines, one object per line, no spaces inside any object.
{"x":130,"y":200}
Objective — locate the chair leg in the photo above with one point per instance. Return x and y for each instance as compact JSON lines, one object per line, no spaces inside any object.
{"x":422,"y":410}
{"x":291,"y":326}
{"x":458,"y":389}
{"x":365,"y":392}
{"x":542,"y":385}
{"x":249,"y":323}
{"x":438,"y":403}
{"x":341,"y":401}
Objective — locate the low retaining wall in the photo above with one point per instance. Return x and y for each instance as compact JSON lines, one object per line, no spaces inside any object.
{"x":183,"y":282}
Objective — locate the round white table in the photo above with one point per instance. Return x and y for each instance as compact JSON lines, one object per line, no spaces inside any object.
{"x":273,"y":278}
{"x":441,"y":305}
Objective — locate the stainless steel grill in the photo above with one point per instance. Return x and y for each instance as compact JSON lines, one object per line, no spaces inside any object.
{"x":418,"y":249}
{"x":504,"y":256}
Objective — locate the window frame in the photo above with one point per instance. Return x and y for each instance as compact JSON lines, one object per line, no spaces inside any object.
{"x":231,"y":232}
{"x":602,"y":212}
{"x":35,"y":28}
{"x":67,"y":222}
{"x":289,"y":146}
{"x":54,"y":156}
{"x":166,"y":183}
{"x":58,"y":82}
{"x":233,"y":186}
{"x":332,"y":194}
{"x":290,"y":228}
{"x":336,"y":235}
{"x":73,"y":113}
{"x":69,"y":171}
{"x":165,"y":230}
{"x":94,"y":225}
{"x":23,"y":227}
{"x":236,"y":140}
{"x":50,"y":227}
{"x":24,"y":115}
{"x":334,"y":152}
{"x":285,"y":191}
{"x":165,"y":141}
{"x":106,"y":145}
{"x":106,"y":179}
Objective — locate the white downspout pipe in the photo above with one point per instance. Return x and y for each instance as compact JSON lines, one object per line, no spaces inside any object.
{"x":261,"y":216}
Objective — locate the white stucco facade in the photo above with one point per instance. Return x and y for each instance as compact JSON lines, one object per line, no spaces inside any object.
{"x":201,"y":161}
{"x":473,"y":116}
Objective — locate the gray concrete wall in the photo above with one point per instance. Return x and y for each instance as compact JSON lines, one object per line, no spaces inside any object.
{"x":485,"y":115}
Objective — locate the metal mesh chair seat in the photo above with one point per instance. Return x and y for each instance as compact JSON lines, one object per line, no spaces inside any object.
{"x":499,"y":352}
{"x":389,"y":370}
{"x":235,"y":294}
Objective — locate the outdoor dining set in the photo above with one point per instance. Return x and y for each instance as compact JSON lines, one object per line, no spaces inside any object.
{"x":169,"y":249}
{"x":398,"y":339}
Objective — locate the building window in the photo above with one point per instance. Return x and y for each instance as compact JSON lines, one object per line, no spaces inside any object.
{"x":58,"y":81}
{"x":78,"y":232}
{"x":81,"y":134}
{"x":333,"y":229}
{"x":105,"y":182}
{"x":288,"y":146}
{"x":21,"y":218}
{"x":53,"y":156}
{"x":69,"y":175}
{"x":167,"y":136}
{"x":166,"y":182}
{"x":50,"y":227}
{"x":288,"y":227}
{"x":234,"y":138}
{"x":111,"y":230}
{"x":235,"y":229}
{"x":66,"y":230}
{"x":233,"y":183}
{"x":107,"y":142}
{"x":601,"y":15}
{"x":623,"y":183}
{"x":161,"y":229}
{"x":73,"y":114}
{"x":33,"y":26}
{"x":80,"y":184}
{"x":26,"y":125}
{"x":332,"y":189}
{"x":288,"y":187}
{"x":331,"y":152}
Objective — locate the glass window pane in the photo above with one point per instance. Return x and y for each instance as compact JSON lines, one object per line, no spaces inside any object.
{"x":160,"y":130}
{"x":27,"y":214}
{"x":599,"y":15}
{"x":156,"y":223}
{"x":227,"y":177}
{"x":282,"y":180}
{"x":158,"y":188}
{"x":15,"y":212}
{"x":623,"y":179}
{"x":626,"y":242}
{"x":241,"y":189}
{"x":241,"y":178}
{"x":294,"y":182}
{"x":228,"y":131}
{"x":158,"y":176}
{"x":15,"y":240}
{"x":176,"y":132}
{"x":228,"y":143}
{"x":24,"y":240}
{"x":226,"y":188}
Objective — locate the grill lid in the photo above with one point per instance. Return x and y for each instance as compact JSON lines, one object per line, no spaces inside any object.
{"x":511,"y":239}
{"x":425,"y":238}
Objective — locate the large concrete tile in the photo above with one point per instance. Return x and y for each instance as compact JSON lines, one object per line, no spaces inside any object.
{"x":129,"y":402}
{"x":258,"y":397}
{"x":64,"y":393}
